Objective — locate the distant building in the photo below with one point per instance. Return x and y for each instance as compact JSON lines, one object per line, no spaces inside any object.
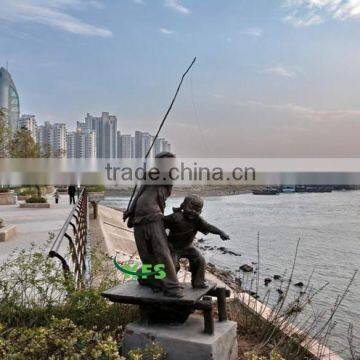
{"x":58,"y":140}
{"x":28,"y":122}
{"x":9,"y":99}
{"x":147,"y":141}
{"x":43,"y":138}
{"x":161,"y":145}
{"x":105,"y":128}
{"x":71,"y":145}
{"x":125,"y":145}
{"x":81,"y":144}
{"x":52,"y":139}
{"x":143,"y":142}
{"x":138,"y":144}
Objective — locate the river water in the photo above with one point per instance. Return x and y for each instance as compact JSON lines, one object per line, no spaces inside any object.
{"x":328,"y":226}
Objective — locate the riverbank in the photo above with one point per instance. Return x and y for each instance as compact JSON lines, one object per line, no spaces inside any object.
{"x":112,"y":236}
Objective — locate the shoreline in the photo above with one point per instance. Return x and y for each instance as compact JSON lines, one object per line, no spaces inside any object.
{"x":205,"y":191}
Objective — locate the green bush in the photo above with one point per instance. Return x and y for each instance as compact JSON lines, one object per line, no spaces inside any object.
{"x":95,"y":188}
{"x":273,"y":356}
{"x":61,"y":339}
{"x":29,"y":191}
{"x":36,"y":301}
{"x":36,"y":200}
{"x":153,"y":352}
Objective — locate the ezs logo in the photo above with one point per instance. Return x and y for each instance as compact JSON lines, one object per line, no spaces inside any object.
{"x":131,"y":270}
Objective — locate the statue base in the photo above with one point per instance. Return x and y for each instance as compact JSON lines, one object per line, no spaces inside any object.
{"x":186,"y":341}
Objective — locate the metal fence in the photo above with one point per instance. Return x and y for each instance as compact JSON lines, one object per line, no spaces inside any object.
{"x":71,"y":244}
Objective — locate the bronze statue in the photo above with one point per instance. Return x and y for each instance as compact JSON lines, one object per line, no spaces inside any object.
{"x":183,"y":224}
{"x":145,"y":214}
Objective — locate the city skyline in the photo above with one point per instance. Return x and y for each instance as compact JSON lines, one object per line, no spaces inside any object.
{"x":281,"y":77}
{"x":95,"y":137}
{"x":91,"y":139}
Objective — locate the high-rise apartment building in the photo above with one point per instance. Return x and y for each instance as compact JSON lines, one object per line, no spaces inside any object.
{"x":105,"y":128}
{"x":125,"y":145}
{"x":28,"y":122}
{"x":81,"y":144}
{"x":52,"y":139}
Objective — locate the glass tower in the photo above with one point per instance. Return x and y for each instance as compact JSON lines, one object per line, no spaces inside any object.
{"x":9,"y":99}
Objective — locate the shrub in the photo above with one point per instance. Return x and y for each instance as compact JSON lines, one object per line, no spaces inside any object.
{"x":273,"y":356}
{"x":27,"y":191}
{"x":36,"y":301}
{"x":153,"y":352}
{"x":36,"y":200}
{"x":4,"y":190}
{"x":61,"y":339}
{"x":95,"y":188}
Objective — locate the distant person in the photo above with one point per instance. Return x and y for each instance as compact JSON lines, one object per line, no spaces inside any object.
{"x":56,"y":196}
{"x":72,"y":192}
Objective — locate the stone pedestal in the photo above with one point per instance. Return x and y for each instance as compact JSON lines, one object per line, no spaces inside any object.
{"x":8,"y":198}
{"x":186,"y":341}
{"x":7,"y":232}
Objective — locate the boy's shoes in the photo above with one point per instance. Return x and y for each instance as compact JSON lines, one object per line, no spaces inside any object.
{"x":174,"y":293}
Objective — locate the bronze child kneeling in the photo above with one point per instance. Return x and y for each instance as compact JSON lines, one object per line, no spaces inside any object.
{"x":183,"y":224}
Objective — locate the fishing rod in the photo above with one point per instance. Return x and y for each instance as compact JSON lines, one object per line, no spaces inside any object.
{"x":162,"y":124}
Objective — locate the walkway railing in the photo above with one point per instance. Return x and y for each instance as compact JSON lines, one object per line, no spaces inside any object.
{"x":70,"y":245}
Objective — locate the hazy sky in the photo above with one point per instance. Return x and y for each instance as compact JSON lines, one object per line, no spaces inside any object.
{"x":273,"y":77}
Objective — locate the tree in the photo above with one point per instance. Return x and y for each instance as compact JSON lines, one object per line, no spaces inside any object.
{"x":22,"y":145}
{"x":5,"y":134}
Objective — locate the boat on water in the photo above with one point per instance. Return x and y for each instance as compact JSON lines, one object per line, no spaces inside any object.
{"x":288,"y":189}
{"x":266,"y":191}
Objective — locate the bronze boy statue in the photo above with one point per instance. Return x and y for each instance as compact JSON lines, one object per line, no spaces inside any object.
{"x":183,"y":224}
{"x":145,"y":214}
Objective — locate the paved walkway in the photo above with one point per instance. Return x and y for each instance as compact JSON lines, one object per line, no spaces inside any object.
{"x":33,"y":225}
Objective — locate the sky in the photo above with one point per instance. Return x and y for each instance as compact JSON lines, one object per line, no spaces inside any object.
{"x":272,"y":77}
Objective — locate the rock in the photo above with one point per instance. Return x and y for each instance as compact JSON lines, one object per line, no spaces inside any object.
{"x":277,"y":277}
{"x":280,"y":291}
{"x":267,"y":281}
{"x":201,"y":240}
{"x":299,"y":284}
{"x":230,"y":252}
{"x":246,"y":268}
{"x":251,"y":293}
{"x":222,"y":248}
